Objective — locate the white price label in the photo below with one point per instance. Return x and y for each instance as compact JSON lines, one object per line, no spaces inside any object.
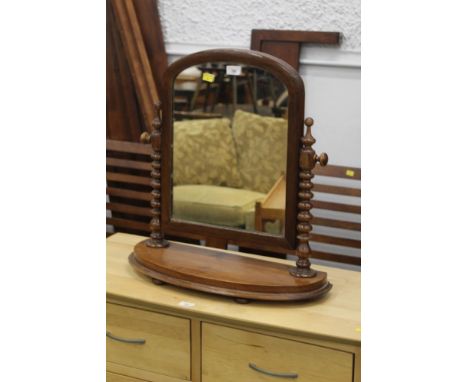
{"x":186,"y":304}
{"x":233,"y":70}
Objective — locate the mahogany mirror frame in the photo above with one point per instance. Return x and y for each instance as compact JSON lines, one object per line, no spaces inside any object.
{"x":291,"y":79}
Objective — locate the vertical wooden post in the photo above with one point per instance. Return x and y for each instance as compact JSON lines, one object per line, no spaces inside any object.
{"x":307,"y":160}
{"x":156,"y":239}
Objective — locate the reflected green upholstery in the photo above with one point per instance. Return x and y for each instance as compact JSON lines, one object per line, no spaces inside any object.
{"x":261,"y":146}
{"x":208,"y":204}
{"x":204,"y":153}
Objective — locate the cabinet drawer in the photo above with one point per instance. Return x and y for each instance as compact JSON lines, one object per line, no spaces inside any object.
{"x":149,"y":341}
{"x":111,"y":377}
{"x":232,"y":355}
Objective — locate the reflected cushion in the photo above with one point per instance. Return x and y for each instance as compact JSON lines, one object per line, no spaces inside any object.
{"x":204,"y":153}
{"x":223,"y":206}
{"x":261,"y":145}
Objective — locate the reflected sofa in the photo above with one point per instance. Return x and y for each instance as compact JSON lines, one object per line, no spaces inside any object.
{"x":223,"y":167}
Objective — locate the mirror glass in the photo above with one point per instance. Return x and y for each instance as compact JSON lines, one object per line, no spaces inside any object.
{"x":230,"y":125}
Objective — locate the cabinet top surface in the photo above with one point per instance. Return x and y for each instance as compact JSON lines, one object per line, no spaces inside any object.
{"x":335,"y":316}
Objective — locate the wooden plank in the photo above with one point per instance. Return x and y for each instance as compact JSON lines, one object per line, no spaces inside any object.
{"x":151,"y":30}
{"x":123,"y":118}
{"x":137,"y":57}
{"x":128,"y":147}
{"x":127,"y":163}
{"x":329,"y":256}
{"x":338,"y":171}
{"x":338,"y":190}
{"x":125,"y":178}
{"x":124,"y":223}
{"x":129,"y":194}
{"x":312,"y":37}
{"x":336,"y":206}
{"x":335,"y":240}
{"x":336,"y":223}
{"x":129,"y":209}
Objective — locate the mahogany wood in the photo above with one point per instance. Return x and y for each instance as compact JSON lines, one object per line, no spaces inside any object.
{"x":225,"y":273}
{"x":136,"y":61}
{"x":286,"y":44}
{"x":307,"y":160}
{"x":291,"y":79}
{"x":157,"y":236}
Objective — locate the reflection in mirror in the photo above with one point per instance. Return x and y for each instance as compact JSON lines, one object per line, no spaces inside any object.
{"x":230,"y":147}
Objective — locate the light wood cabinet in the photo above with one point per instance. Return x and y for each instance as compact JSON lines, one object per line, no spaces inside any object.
{"x":233,"y":355}
{"x":190,"y":336}
{"x":150,"y":341}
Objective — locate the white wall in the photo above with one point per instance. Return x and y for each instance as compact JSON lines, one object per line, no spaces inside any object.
{"x":331,"y":75}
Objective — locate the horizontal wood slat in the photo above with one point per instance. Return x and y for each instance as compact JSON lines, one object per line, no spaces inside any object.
{"x":336,"y":223}
{"x":338,"y":190}
{"x":354,"y":260}
{"x":336,"y":207}
{"x":124,"y":223}
{"x":338,"y":171}
{"x":126,"y":163}
{"x":129,"y":209}
{"x":129,"y":194}
{"x":335,"y":240}
{"x":128,"y":147}
{"x":125,"y":178}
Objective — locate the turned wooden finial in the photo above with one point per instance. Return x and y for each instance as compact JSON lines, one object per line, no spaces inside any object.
{"x":307,"y":160}
{"x":156,"y":239}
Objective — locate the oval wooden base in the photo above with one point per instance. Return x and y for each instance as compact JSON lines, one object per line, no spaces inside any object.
{"x":225,"y":273}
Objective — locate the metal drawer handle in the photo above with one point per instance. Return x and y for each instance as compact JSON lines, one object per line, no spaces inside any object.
{"x":138,"y":341}
{"x":280,"y":375}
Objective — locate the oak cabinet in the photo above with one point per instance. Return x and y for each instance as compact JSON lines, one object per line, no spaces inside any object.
{"x":168,"y":334}
{"x":233,"y":355}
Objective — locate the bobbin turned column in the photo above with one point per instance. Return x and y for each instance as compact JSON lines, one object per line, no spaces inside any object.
{"x":307,"y":160}
{"x":156,"y":239}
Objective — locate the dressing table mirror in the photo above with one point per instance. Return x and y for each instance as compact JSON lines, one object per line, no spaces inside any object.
{"x":231,"y":162}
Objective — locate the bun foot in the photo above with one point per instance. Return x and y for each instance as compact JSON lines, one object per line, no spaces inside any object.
{"x":158,"y":282}
{"x":242,"y":300}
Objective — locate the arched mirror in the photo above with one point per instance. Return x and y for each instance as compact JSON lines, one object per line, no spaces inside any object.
{"x":232,"y":167}
{"x":232,"y":163}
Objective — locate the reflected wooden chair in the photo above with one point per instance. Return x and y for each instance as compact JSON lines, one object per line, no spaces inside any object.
{"x":336,"y":209}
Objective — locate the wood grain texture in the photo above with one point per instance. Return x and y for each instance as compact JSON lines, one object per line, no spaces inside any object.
{"x":167,"y":347}
{"x":228,"y":352}
{"x":225,"y":273}
{"x":286,"y":44}
{"x":137,"y":57}
{"x":334,"y":318}
{"x":137,"y":375}
{"x":112,"y":377}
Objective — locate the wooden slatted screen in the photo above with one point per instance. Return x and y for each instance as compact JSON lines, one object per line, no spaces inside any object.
{"x":128,"y":193}
{"x":336,"y":209}
{"x":128,"y":186}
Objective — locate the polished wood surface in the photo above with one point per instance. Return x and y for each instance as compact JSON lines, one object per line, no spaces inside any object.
{"x":336,"y":317}
{"x":156,"y":236}
{"x":286,"y":44}
{"x":136,"y":60}
{"x":307,"y":160}
{"x":226,"y":273}
{"x":158,"y":331}
{"x":228,"y":356}
{"x":291,"y":79}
